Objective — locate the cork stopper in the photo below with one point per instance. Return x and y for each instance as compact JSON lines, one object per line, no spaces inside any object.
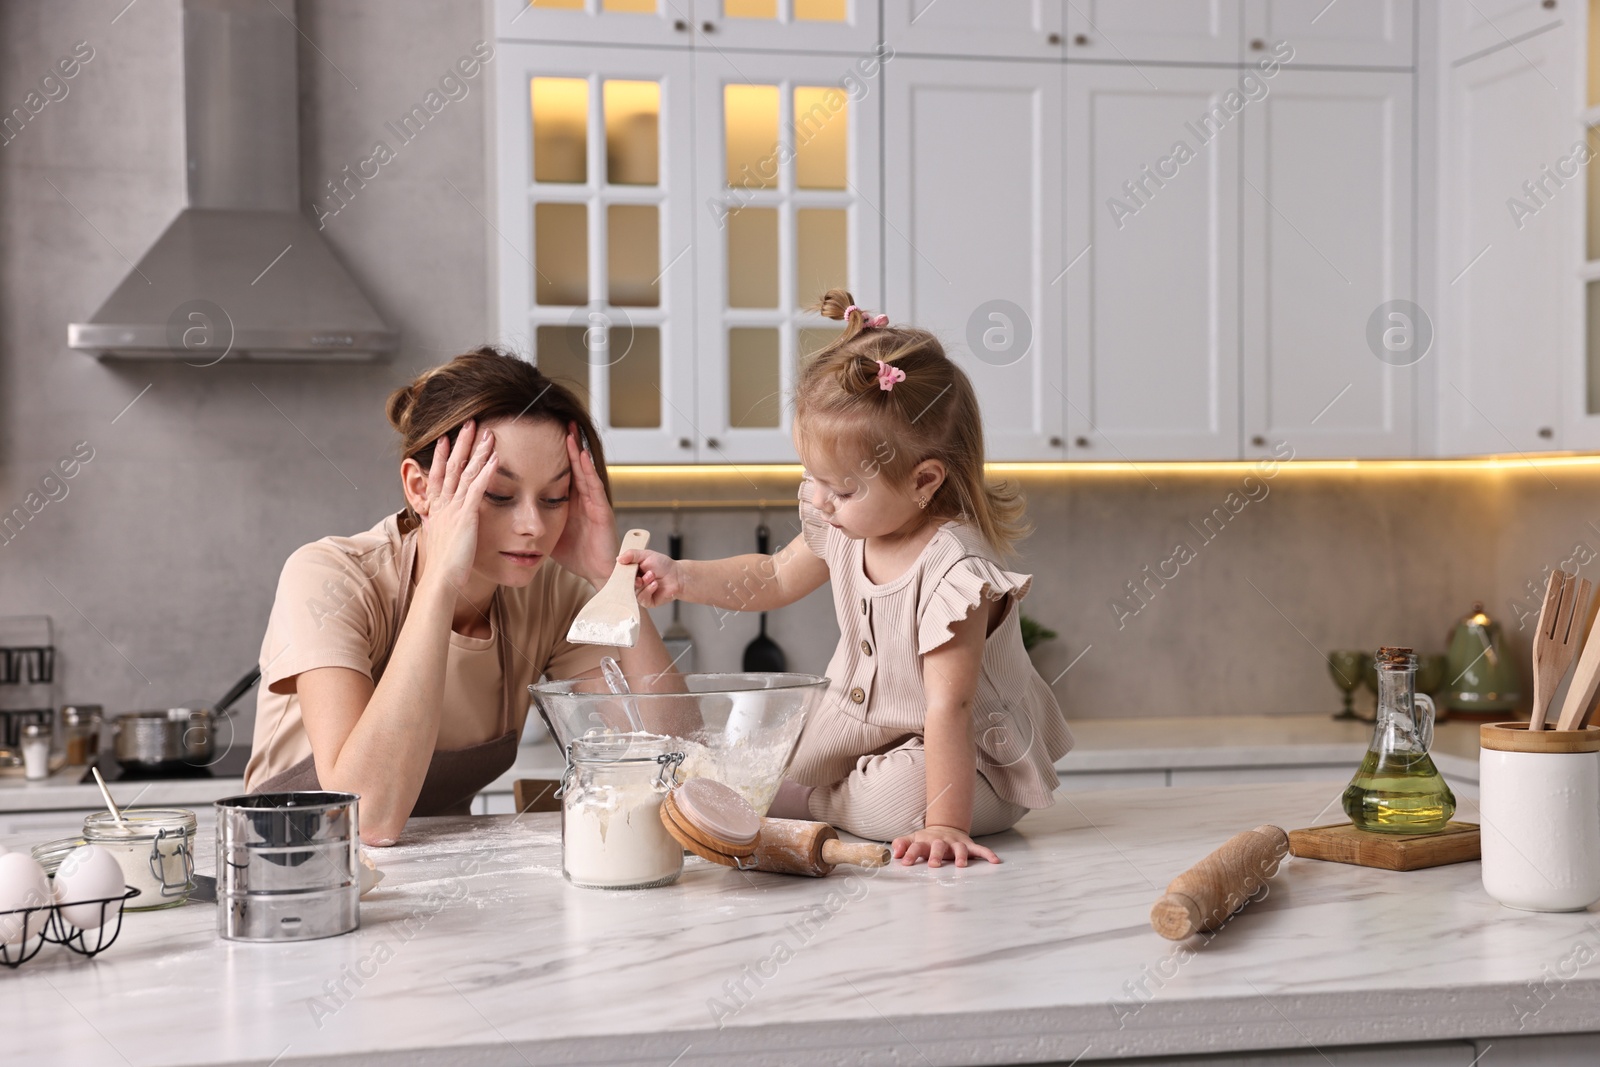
{"x":1396,"y":656}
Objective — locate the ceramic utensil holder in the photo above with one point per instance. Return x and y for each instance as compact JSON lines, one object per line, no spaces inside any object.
{"x":1540,"y":809}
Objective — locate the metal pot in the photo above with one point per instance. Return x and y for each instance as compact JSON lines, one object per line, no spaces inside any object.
{"x":174,"y":737}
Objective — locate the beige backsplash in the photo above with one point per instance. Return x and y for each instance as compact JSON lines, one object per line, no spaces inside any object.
{"x":1308,"y":561}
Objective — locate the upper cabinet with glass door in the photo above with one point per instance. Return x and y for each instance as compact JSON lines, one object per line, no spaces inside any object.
{"x":787,"y":151}
{"x":658,"y":22}
{"x":595,"y":206}
{"x":772,"y":25}
{"x":787,"y":25}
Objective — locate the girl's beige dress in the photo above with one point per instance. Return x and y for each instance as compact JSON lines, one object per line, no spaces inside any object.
{"x":862,"y":747}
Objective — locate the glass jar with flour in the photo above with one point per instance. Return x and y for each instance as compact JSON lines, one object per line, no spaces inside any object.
{"x":612,"y":836}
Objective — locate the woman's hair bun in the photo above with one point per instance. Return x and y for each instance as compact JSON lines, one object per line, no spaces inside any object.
{"x":401,"y":403}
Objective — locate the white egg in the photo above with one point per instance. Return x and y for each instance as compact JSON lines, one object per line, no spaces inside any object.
{"x":88,"y":872}
{"x":23,"y":884}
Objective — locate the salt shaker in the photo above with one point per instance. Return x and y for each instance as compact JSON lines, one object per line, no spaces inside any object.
{"x":36,"y":751}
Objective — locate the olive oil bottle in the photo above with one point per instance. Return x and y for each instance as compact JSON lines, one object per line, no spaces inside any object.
{"x":1397,"y":789}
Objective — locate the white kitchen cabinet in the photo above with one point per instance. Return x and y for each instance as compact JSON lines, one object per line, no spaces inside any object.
{"x":972,"y":201}
{"x":1505,"y":312}
{"x":844,"y":26}
{"x":668,"y":23}
{"x":1470,"y":29}
{"x":1152,"y":276}
{"x":1171,"y":31}
{"x":1347,"y":33}
{"x":596,"y":272}
{"x":1327,"y":240}
{"x":1027,"y":29}
{"x":787,"y":189}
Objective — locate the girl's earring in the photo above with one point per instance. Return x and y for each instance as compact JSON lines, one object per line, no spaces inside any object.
{"x":921,"y":504}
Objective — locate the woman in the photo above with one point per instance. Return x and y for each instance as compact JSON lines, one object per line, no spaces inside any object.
{"x":396,"y":662}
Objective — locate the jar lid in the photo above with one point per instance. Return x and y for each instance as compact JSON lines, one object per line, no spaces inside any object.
{"x":50,"y":854}
{"x":141,"y":823}
{"x":612,"y":747}
{"x":36,"y":730}
{"x":76,"y":713}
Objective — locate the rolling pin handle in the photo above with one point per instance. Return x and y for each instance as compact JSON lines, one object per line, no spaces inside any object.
{"x":863,"y":854}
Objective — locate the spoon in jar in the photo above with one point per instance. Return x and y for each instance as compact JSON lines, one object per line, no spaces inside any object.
{"x":111,"y":805}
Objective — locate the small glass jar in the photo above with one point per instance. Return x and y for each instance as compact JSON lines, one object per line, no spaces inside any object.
{"x":612,"y":836}
{"x":155,"y":850}
{"x":36,"y":751}
{"x":80,"y":727}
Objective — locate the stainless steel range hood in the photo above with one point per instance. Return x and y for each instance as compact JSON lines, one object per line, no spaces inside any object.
{"x":241,"y":272}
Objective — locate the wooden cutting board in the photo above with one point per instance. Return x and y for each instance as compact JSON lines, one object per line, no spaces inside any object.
{"x":1343,"y":843}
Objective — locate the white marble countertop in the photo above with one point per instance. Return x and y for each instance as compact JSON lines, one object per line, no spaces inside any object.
{"x":1103,"y":745}
{"x":475,"y":950}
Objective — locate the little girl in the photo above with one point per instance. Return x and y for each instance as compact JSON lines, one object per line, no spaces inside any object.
{"x":936,"y":728}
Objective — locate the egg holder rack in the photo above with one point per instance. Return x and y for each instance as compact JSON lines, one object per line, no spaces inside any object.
{"x":58,"y":931}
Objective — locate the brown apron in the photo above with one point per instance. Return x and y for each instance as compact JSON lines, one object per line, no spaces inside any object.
{"x":456,"y":775}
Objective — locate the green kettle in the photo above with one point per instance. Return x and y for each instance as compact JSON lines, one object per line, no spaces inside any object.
{"x":1480,"y":676}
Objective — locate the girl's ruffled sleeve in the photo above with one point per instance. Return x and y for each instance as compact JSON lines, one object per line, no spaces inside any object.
{"x":813,"y":527}
{"x":970,"y":581}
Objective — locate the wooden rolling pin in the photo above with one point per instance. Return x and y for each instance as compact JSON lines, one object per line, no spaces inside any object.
{"x":1205,"y":896}
{"x":714,"y":822}
{"x":795,"y":846}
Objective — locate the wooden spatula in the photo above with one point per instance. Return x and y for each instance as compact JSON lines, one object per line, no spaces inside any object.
{"x":612,"y":617}
{"x":1560,"y":631}
{"x":1579,"y":704}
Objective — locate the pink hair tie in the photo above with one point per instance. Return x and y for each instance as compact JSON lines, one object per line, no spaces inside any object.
{"x":888,"y":375}
{"x":868,"y":321}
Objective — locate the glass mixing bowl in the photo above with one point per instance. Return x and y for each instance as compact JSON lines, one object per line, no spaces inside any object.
{"x":738,"y":729}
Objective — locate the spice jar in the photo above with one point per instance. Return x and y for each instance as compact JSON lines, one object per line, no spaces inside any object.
{"x":612,"y":836}
{"x":80,"y":723}
{"x":155,"y":849}
{"x":36,"y":750}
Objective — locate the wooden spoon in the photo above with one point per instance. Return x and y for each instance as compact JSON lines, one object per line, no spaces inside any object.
{"x":1578,"y":706}
{"x":1560,"y":632}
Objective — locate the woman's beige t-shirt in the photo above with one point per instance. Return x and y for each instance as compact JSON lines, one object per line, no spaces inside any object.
{"x":875,"y":700}
{"x":336,"y":608}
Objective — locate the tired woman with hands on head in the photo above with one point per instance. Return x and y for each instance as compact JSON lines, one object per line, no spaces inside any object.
{"x":396,"y":661}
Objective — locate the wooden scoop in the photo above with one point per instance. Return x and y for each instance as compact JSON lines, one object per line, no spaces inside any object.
{"x":612,"y":616}
{"x":1566,"y":604}
{"x":717,"y":824}
{"x":1207,"y":894}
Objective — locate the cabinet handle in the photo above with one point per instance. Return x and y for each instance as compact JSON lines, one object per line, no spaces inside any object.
{"x":713,"y":444}
{"x":1081,"y":442}
{"x":1054,"y":38}
{"x":1257,"y":45}
{"x":708,"y":27}
{"x":680,"y":25}
{"x":684,"y":442}
{"x":1258,"y":441}
{"x":1081,"y":39}
{"x":1549,"y":3}
{"x":1055,"y":442}
{"x":1546,"y":432}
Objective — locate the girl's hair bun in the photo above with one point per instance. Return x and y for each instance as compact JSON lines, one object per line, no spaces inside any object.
{"x":858,"y":375}
{"x":834,"y":303}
